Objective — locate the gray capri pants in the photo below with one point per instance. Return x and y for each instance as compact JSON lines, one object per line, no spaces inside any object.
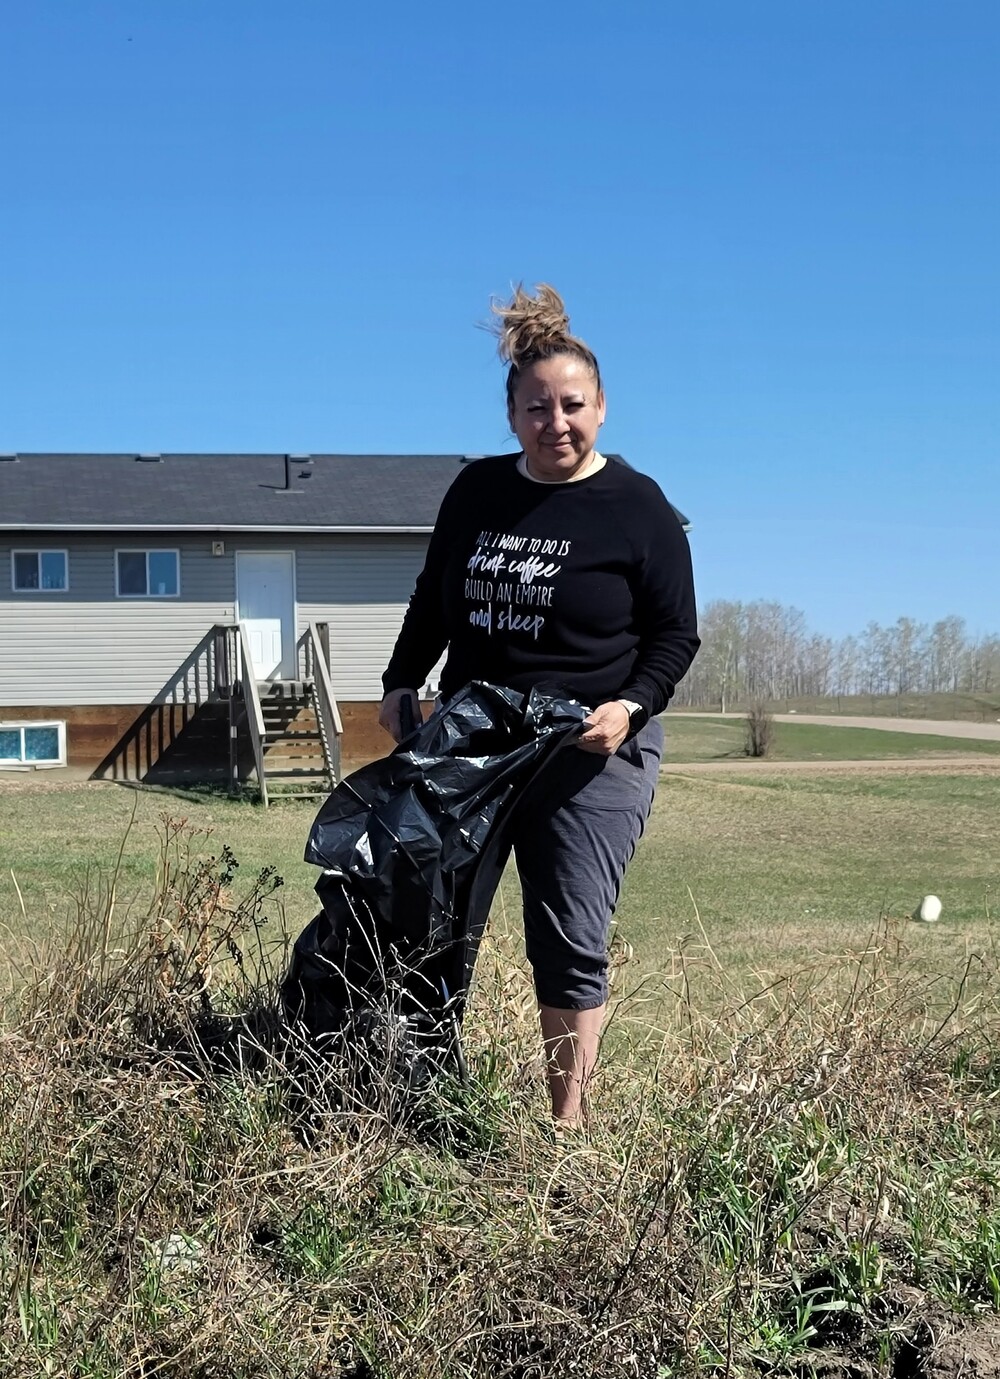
{"x":573,"y":836}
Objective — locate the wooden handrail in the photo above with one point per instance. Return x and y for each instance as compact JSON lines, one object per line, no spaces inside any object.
{"x":254,"y":712}
{"x":326,"y":700}
{"x":323,"y":678}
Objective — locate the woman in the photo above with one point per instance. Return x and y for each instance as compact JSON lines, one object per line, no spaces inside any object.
{"x":560,"y":568}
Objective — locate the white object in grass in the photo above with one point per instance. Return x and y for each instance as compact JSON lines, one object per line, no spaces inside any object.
{"x":178,"y":1252}
{"x":930,"y":908}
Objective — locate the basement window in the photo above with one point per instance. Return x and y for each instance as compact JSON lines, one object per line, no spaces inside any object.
{"x":33,"y":572}
{"x":32,"y":744}
{"x":147,"y":574}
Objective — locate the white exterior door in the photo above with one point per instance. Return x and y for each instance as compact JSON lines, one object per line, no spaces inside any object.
{"x":265,"y":604}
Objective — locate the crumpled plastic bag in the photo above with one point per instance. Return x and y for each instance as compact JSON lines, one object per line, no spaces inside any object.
{"x":412,"y":851}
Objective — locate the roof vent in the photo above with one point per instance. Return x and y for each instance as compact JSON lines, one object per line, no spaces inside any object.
{"x":302,"y":465}
{"x":149,"y":458}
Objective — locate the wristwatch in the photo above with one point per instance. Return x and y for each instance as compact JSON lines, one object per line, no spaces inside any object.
{"x":632,"y":707}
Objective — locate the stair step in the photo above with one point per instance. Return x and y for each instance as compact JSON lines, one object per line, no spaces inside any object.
{"x":299,"y":735}
{"x":277,"y":745}
{"x":297,"y":773}
{"x":277,"y":690}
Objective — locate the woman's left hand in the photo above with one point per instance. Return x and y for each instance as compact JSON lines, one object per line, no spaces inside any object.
{"x":605,"y":730}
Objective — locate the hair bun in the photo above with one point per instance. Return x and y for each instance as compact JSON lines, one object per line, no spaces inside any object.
{"x":528,"y":327}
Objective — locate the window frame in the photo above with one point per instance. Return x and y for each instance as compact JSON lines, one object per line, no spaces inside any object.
{"x":147,"y":551}
{"x":38,"y":552}
{"x":16,"y":725}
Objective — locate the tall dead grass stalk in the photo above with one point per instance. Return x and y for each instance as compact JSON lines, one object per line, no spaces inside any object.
{"x":791,"y":1163}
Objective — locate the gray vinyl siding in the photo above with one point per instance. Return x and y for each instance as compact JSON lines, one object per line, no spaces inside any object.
{"x":85,"y":646}
{"x":360,"y":586}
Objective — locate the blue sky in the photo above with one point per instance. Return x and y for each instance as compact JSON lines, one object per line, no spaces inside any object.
{"x":258,"y":226}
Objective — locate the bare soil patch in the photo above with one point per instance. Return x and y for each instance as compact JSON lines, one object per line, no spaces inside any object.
{"x":935,"y":727}
{"x":973,"y":1350}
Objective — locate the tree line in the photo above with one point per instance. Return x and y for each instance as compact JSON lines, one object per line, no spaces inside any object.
{"x":765,"y":651}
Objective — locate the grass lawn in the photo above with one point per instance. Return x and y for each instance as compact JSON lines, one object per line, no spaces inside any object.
{"x":716,"y":739}
{"x":785,"y":870}
{"x":58,"y":843}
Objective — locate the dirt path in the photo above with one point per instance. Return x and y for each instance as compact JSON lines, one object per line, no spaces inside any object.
{"x":935,"y":727}
{"x":969,"y":763}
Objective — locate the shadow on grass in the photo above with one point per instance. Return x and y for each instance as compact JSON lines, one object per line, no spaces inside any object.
{"x":200,"y":794}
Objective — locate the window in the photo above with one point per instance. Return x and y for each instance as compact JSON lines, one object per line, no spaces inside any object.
{"x":147,"y":574}
{"x":33,"y":571}
{"x":33,"y":744}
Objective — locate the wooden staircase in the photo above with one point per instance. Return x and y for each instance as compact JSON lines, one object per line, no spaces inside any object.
{"x":292,"y":727}
{"x":297,"y":757}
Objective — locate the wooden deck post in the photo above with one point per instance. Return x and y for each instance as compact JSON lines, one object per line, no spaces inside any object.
{"x":323,"y":628}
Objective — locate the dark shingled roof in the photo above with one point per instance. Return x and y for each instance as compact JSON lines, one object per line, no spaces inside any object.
{"x":225,"y":492}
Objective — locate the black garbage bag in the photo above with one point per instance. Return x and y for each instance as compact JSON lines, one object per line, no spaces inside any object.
{"x":412,"y":848}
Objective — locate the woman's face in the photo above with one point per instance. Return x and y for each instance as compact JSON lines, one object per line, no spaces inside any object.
{"x":557,"y":411}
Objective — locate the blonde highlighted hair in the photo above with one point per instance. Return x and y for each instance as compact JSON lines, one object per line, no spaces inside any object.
{"x":530,"y":328}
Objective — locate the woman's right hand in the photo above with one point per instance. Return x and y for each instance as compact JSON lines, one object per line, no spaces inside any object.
{"x":389,"y":715}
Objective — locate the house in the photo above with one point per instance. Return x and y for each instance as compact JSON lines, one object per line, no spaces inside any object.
{"x":187,"y":616}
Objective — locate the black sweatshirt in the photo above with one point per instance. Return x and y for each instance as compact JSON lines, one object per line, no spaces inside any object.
{"x":584,"y":587}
